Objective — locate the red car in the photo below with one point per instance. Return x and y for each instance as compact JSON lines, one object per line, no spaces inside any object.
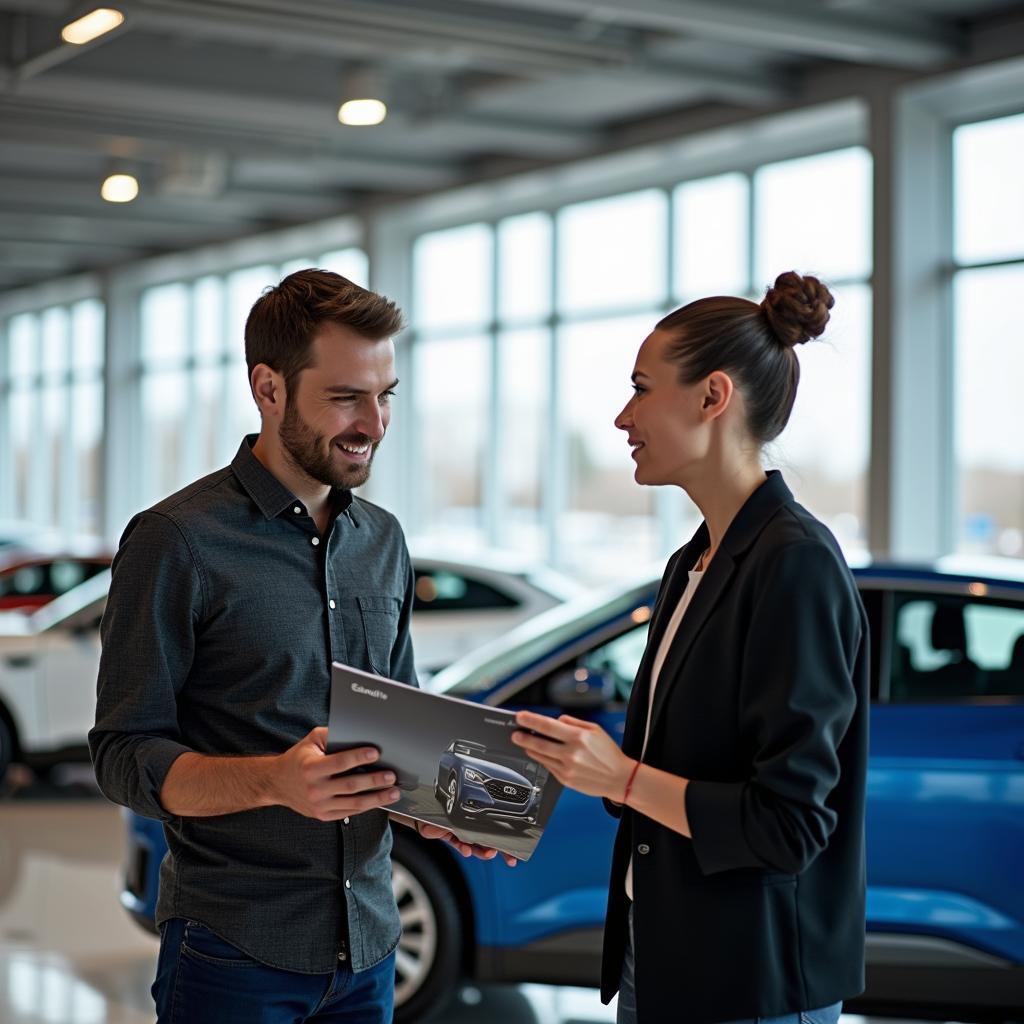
{"x":30,"y":579}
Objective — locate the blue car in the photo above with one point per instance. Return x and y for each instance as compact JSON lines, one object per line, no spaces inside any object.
{"x":471,"y":788}
{"x":945,"y":818}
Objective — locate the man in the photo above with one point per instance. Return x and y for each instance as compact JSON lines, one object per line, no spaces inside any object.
{"x":229,"y":600}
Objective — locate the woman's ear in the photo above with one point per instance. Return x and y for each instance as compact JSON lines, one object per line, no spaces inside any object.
{"x":717,"y":394}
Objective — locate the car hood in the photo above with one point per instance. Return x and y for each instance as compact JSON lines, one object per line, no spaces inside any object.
{"x":494,"y":771}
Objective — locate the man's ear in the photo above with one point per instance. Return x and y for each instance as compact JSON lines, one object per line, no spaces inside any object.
{"x":718,"y":389}
{"x":268,"y":389}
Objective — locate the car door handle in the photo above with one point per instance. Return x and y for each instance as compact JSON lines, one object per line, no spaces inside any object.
{"x":20,"y":661}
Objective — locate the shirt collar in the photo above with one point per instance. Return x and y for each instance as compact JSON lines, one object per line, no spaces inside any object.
{"x":270,"y":495}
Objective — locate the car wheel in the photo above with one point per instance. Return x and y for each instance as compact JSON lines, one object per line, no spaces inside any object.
{"x":451,"y":801}
{"x":427,"y":966}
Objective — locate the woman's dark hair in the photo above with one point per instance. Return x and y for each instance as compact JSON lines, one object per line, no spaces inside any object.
{"x":752,"y":343}
{"x":283,"y":320}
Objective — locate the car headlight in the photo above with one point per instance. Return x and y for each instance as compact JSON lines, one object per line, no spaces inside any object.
{"x":471,"y":776}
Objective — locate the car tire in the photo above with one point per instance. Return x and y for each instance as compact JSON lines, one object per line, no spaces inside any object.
{"x":451,"y":801}
{"x":428,"y":961}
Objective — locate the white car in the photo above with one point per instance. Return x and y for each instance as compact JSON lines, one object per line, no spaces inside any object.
{"x":49,"y":658}
{"x":459,"y":606}
{"x":48,"y":664}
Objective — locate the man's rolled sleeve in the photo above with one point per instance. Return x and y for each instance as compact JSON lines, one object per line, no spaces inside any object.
{"x":796,"y":701}
{"x":148,"y":637}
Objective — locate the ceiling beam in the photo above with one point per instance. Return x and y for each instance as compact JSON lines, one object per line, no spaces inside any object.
{"x":138,"y":231}
{"x":295,"y":121}
{"x":60,"y":53}
{"x":76,"y":196}
{"x":12,"y":247}
{"x":433,"y":38}
{"x":49,"y":7}
{"x":152,"y":140}
{"x":334,"y":34}
{"x":780,"y":25}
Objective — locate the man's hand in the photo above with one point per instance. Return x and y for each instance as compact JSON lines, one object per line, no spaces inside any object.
{"x":466,"y":849}
{"x":308,"y":780}
{"x":428,"y":831}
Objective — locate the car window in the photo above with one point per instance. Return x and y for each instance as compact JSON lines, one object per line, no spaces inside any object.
{"x":46,"y":579}
{"x":619,"y":659}
{"x":67,"y":574}
{"x":440,"y":590}
{"x":27,"y":581}
{"x":956,"y":648}
{"x":615,"y":661}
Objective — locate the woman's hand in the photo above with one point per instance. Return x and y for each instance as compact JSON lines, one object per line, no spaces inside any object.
{"x":579,"y":754}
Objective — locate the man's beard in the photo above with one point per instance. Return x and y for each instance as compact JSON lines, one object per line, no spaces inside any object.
{"x":304,"y":448}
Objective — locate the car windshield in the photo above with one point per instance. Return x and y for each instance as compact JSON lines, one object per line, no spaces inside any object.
{"x":472,"y":749}
{"x":539,"y":638}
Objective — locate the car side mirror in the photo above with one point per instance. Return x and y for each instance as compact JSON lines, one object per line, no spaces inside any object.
{"x":580,"y":689}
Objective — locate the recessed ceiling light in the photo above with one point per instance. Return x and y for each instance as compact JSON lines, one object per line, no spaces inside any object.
{"x":362,"y":112}
{"x":92,"y":25}
{"x":119,"y":188}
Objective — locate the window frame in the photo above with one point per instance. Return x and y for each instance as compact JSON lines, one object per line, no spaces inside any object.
{"x":823,"y":129}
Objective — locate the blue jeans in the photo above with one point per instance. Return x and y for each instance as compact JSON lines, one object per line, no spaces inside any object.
{"x":626,"y":1008}
{"x":201,"y":979}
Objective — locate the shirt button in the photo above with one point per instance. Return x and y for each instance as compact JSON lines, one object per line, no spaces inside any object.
{"x":316,"y":541}
{"x":345,"y":821}
{"x":643,"y":848}
{"x":342,"y":956}
{"x":348,"y":883}
{"x":297,"y":510}
{"x":332,"y":606}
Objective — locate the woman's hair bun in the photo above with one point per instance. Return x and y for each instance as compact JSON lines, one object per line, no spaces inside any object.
{"x":797,"y":308}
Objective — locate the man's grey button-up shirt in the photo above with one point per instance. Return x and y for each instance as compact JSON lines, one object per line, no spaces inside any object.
{"x":225,"y":613}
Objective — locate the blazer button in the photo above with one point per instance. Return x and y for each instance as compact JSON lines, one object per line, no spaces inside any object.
{"x":643,"y":848}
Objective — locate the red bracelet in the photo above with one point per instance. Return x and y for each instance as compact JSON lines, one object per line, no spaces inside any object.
{"x":629,"y":783}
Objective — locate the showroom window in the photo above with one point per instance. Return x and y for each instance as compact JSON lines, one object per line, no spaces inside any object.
{"x":52,"y":377}
{"x":988,"y":281}
{"x":814,"y":215}
{"x":525,"y":331}
{"x":194,"y":400}
{"x":451,"y":379}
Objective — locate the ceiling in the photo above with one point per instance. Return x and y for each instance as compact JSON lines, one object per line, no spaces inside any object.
{"x":225,"y":110}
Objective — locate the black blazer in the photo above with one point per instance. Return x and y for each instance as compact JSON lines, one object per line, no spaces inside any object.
{"x":762,"y":703}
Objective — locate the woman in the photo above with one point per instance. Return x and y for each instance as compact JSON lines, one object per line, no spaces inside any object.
{"x":737,"y":886}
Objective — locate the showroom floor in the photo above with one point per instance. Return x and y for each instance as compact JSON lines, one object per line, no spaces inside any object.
{"x":70,"y":955}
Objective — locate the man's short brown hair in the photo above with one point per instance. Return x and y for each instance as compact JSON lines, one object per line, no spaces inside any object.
{"x":283,"y":320}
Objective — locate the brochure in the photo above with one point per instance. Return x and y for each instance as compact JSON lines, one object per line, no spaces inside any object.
{"x":453,"y":759}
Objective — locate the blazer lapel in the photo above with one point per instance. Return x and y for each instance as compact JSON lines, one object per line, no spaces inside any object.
{"x":710,"y":589}
{"x":748,"y":523}
{"x":671,"y":592}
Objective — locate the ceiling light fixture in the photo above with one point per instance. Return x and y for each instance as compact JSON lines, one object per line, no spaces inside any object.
{"x":119,"y":188}
{"x":361,"y":102}
{"x":92,"y":25}
{"x":362,"y":112}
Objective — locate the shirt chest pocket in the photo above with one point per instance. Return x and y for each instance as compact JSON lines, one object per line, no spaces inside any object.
{"x":379,"y":617}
